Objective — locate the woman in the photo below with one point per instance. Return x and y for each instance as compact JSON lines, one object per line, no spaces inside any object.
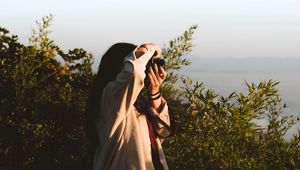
{"x":128,"y":135}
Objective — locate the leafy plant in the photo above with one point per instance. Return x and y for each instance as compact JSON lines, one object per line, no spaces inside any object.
{"x":42,"y":102}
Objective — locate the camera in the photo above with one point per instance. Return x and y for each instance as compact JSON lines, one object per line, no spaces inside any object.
{"x":151,"y":62}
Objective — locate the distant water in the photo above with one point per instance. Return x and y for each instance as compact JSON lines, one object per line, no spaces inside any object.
{"x":225,"y":75}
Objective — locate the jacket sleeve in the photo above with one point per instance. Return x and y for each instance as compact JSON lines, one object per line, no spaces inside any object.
{"x":121,"y":93}
{"x":161,"y":120}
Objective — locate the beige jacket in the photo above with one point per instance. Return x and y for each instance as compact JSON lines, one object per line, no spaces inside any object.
{"x":122,"y":130}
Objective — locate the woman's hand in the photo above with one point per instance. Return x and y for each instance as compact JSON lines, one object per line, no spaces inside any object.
{"x":156,"y":77}
{"x":145,"y":47}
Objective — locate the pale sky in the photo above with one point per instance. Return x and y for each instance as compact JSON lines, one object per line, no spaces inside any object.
{"x":227,"y":28}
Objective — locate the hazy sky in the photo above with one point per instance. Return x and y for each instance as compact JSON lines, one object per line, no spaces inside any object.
{"x":227,"y":28}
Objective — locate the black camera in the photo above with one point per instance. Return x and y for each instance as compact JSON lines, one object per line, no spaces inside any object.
{"x":151,"y":62}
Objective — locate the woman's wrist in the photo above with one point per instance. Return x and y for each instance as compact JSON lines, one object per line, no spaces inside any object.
{"x":154,"y":97}
{"x":153,"y":94}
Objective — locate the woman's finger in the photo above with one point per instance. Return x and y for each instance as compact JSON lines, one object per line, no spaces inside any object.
{"x":156,"y":48}
{"x":157,"y":73}
{"x":163,"y":73}
{"x":157,"y":52}
{"x":150,"y":78}
{"x":156,"y":82}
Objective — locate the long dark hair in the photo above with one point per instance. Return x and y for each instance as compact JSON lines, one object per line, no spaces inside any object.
{"x":110,"y":65}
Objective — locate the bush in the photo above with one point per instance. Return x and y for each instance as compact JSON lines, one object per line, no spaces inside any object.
{"x":42,"y":103}
{"x":43,"y":99}
{"x":217,"y":132}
